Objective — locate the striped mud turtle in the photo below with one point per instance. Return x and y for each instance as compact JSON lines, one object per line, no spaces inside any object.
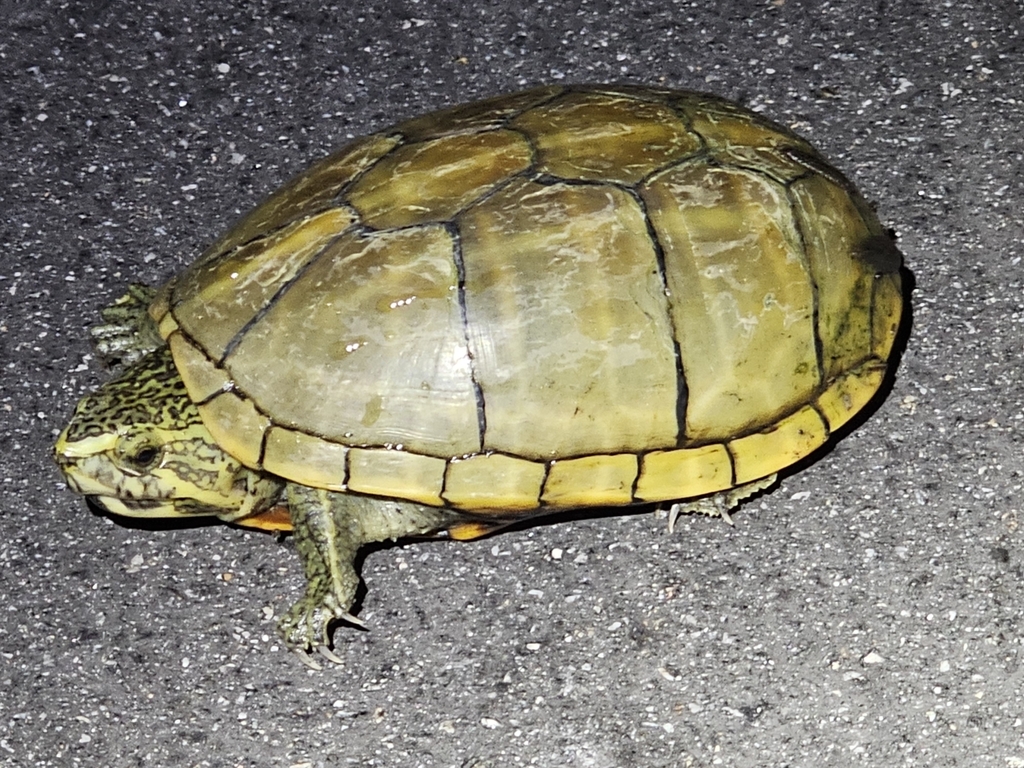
{"x":568,"y":297}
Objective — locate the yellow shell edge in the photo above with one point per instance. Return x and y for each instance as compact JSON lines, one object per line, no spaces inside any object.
{"x":591,"y":481}
{"x":382,"y":472}
{"x":305,"y":458}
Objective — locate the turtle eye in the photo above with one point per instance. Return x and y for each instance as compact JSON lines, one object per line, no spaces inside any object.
{"x":138,"y":451}
{"x":139,"y":458}
{"x":145,"y":457}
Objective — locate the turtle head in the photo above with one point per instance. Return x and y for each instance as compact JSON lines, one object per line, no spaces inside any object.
{"x":138,"y":447}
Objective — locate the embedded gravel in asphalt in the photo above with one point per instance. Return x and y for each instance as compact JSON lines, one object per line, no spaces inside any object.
{"x":867,"y":611}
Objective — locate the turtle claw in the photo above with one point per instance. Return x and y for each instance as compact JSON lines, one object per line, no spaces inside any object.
{"x":718,"y":504}
{"x":306,"y":630}
{"x":128,"y":332}
{"x":307,"y":660}
{"x":350,"y":619}
{"x":330,"y":655}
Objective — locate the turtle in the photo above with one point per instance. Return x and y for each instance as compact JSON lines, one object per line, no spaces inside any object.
{"x":570,"y":297}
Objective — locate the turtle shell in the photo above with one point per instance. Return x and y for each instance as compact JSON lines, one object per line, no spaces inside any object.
{"x":565,"y":297}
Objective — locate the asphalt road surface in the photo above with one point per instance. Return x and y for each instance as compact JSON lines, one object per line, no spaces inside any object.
{"x":866,"y":612}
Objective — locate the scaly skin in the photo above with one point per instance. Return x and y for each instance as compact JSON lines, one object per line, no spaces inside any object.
{"x":330,"y":528}
{"x":137,"y":447}
{"x":127,"y":333}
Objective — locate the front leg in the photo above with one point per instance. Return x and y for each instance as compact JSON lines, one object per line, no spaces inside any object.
{"x":127,"y":333}
{"x":330,"y":528}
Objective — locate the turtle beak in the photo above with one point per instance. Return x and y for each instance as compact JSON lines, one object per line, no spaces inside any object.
{"x":87,"y":472}
{"x":92,"y":477}
{"x":81,"y":480}
{"x":137,"y":507}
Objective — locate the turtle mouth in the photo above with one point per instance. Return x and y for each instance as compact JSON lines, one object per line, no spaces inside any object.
{"x":133,"y":507}
{"x":137,"y":507}
{"x":153,"y":508}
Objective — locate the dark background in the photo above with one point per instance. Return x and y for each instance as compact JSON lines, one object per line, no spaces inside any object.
{"x":867,"y":612}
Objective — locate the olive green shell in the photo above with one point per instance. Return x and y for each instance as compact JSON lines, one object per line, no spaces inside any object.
{"x":565,"y":297}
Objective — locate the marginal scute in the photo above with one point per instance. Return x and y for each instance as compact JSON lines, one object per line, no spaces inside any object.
{"x":382,"y":472}
{"x":236,"y":426}
{"x":202,"y":379}
{"x":590,"y":481}
{"x":850,"y":393}
{"x":885,"y":315}
{"x":493,"y":481}
{"x":784,"y":443}
{"x":290,"y":453}
{"x":160,"y":308}
{"x":167,"y":325}
{"x":683,"y":473}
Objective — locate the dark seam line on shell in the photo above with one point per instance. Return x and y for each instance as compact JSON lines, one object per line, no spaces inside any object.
{"x":849,"y":368}
{"x":229,"y":387}
{"x":499,"y":124}
{"x":824,"y":421}
{"x":820,"y":168}
{"x":444,"y":483}
{"x":720,"y":159}
{"x":213,"y":396}
{"x":731,"y":164}
{"x":263,"y":444}
{"x":550,"y":180}
{"x":346,"y":467}
{"x":684,"y":112}
{"x":460,"y":290}
{"x":241,"y":395}
{"x":636,"y":477}
{"x":682,"y":389}
{"x":805,"y":253}
{"x":703,"y":153}
{"x":262,"y":312}
{"x":523,"y":175}
{"x":544,"y":483}
{"x":755,"y":170}
{"x":732,"y":464}
{"x":343,"y":191}
{"x":698,"y":156}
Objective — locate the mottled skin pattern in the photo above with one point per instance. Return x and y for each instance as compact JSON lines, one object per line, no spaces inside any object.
{"x":329,"y":530}
{"x":147,"y":393}
{"x":127,"y":333}
{"x":138,"y":447}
